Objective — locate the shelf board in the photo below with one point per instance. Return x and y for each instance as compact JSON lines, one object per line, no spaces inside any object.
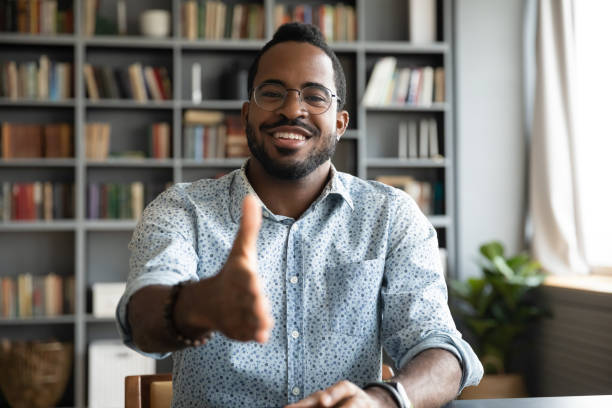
{"x":38,"y":162}
{"x":232,"y":45}
{"x":404,"y":47}
{"x":130,"y":162}
{"x":435,"y":107}
{"x":129,"y":104}
{"x":38,"y":225}
{"x":110,"y":225}
{"x":214,"y":163}
{"x":26,"y":321}
{"x":23,"y":102}
{"x":93,"y":319}
{"x":439,"y":221}
{"x":37,"y":39}
{"x":401,"y":163}
{"x":345,"y":46}
{"x":131,"y":41}
{"x":352,"y":134}
{"x":219,"y":104}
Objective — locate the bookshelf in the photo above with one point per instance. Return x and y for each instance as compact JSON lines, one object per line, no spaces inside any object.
{"x":81,"y":246}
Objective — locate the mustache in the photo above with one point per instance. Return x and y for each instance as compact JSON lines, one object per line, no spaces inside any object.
{"x":291,"y":122}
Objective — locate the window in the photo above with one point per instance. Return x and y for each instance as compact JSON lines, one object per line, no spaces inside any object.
{"x":593,"y":32}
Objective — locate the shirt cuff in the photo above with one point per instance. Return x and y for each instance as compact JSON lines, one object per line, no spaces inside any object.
{"x":471,"y":367}
{"x":122,"y":322}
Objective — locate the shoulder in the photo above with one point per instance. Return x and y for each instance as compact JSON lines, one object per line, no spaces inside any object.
{"x":196,"y":192}
{"x":373,"y":194}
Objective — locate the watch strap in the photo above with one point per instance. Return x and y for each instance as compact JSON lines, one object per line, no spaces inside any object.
{"x":391,"y":390}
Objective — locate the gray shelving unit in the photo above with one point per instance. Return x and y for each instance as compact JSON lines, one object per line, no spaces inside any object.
{"x":96,"y":250}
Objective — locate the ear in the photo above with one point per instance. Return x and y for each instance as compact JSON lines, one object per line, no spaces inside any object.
{"x":342,"y":121}
{"x":244,"y":113}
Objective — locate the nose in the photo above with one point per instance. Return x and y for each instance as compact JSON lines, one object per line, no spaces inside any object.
{"x":293,"y":106}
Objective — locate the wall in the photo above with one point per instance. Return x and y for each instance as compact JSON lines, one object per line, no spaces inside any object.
{"x":490,"y":143}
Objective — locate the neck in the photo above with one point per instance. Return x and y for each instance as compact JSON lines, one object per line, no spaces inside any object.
{"x":287,"y":197}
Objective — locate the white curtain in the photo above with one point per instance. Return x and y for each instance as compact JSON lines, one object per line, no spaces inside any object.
{"x":554,"y":203}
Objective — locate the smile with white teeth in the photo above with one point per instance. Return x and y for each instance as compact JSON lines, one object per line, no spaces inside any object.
{"x":287,"y":135}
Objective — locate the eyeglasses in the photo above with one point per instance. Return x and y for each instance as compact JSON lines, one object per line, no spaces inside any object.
{"x":271,"y":96}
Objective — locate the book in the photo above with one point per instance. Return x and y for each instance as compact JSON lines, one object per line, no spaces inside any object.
{"x":433,"y":139}
{"x":196,"y":83}
{"x":439,"y":85}
{"x":402,"y":140}
{"x":413,"y":152}
{"x":423,"y":138}
{"x":377,"y":86}
{"x":203,"y":117}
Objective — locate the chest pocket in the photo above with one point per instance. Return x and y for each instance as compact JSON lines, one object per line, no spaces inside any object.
{"x":352,"y":291}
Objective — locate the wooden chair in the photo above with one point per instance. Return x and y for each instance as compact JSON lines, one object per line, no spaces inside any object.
{"x":155,"y":390}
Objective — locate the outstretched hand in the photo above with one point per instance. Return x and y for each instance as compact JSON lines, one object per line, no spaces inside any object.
{"x":243,"y":311}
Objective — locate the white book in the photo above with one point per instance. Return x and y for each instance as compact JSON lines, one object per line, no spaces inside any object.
{"x":402,"y":140}
{"x":422,"y":21}
{"x":379,"y":80}
{"x":105,"y":297}
{"x":413,"y":151}
{"x":424,"y":139}
{"x":109,"y":363}
{"x":196,"y":82}
{"x":433,"y":139}
{"x":426,"y":96}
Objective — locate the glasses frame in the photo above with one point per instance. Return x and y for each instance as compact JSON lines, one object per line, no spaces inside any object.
{"x":299,"y":92}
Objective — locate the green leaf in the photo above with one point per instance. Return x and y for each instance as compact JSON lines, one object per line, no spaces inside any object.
{"x":502,"y":267}
{"x":492,"y":249}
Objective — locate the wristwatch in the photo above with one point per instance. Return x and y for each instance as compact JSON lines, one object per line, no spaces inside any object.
{"x":396,"y":390}
{"x":402,"y":392}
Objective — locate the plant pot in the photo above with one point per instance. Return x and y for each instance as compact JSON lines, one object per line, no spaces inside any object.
{"x":497,"y":386}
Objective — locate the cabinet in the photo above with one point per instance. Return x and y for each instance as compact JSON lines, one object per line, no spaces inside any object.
{"x":96,"y":250}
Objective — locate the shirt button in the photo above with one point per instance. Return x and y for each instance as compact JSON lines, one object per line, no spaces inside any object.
{"x":295,"y":334}
{"x":296,"y":391}
{"x":294,"y":279}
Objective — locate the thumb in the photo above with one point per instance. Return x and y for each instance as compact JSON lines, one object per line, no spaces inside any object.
{"x":246,"y":239}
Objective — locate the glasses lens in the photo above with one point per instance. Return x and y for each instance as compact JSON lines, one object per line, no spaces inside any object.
{"x":317,"y":98}
{"x":270,"y":96}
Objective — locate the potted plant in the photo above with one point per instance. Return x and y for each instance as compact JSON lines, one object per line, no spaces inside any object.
{"x":497,"y":309}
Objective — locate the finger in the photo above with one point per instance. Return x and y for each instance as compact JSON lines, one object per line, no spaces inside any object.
{"x":310,"y":401}
{"x":246,"y":238}
{"x":337,"y":393}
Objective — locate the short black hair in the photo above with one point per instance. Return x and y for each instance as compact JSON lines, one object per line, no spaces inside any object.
{"x":307,"y":33}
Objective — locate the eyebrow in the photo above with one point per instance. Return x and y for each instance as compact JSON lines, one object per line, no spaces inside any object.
{"x":304,"y":84}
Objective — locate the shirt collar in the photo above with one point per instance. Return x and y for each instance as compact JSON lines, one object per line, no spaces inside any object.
{"x":240,"y":187}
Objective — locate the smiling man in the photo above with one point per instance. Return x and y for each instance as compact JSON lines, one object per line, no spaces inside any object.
{"x":279,"y":283}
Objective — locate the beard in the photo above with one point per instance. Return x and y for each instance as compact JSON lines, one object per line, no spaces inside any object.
{"x":294,"y":170}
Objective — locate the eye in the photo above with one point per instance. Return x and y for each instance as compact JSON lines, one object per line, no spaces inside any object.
{"x":271,"y":94}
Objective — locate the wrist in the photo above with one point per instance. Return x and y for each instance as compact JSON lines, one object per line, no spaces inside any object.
{"x":181,"y":316}
{"x":382,"y":397}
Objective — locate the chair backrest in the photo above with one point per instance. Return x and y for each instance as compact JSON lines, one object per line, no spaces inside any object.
{"x":139,"y":390}
{"x":155,"y":390}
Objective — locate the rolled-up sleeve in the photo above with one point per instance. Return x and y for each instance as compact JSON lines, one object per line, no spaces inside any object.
{"x":162,"y":253}
{"x":416,"y":316}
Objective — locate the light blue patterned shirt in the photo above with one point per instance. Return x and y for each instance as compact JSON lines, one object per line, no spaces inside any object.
{"x":359,"y":270}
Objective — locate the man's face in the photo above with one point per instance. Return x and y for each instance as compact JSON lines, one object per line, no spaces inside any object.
{"x":290,"y":142}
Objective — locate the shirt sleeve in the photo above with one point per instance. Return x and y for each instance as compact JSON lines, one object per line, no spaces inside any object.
{"x":162,"y":253}
{"x":416,"y":316}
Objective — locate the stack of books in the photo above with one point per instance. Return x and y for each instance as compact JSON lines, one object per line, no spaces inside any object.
{"x":28,"y":295}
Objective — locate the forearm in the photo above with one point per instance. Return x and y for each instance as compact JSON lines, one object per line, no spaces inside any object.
{"x":146,"y":315}
{"x":431,"y":379}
